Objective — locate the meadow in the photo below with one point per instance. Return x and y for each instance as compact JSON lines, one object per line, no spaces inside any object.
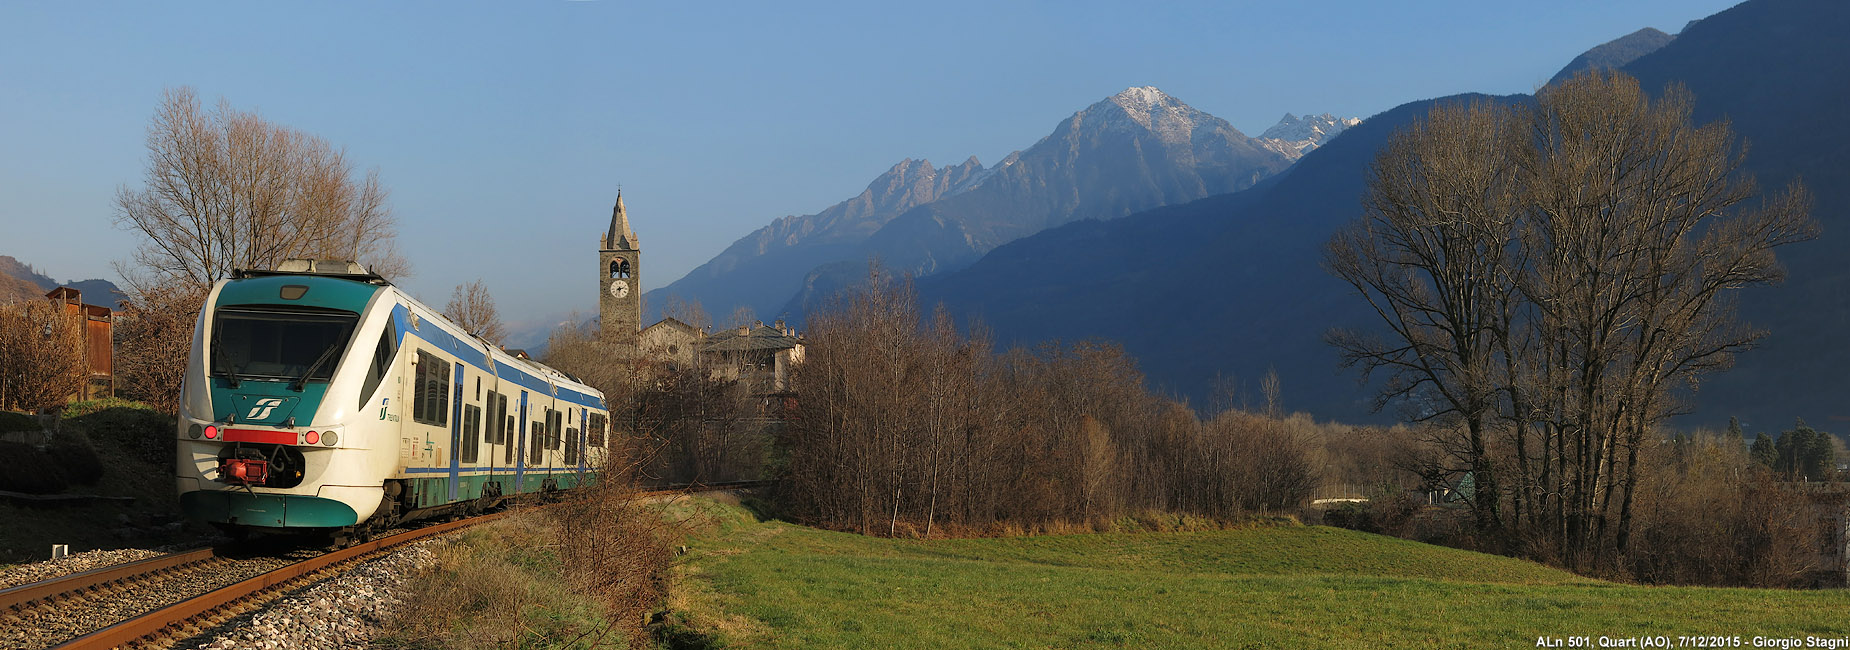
{"x":747,"y":582}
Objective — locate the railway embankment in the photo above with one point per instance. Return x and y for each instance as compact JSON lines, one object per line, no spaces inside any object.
{"x":98,"y":476}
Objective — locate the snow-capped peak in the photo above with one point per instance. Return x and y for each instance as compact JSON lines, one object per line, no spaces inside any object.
{"x":1295,"y":136}
{"x":1143,"y":108}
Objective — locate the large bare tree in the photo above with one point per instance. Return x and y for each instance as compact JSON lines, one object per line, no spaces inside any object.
{"x":227,"y":189}
{"x":1553,"y":280}
{"x":472,"y":307}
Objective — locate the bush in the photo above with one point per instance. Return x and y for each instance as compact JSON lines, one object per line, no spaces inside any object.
{"x":76,"y":459}
{"x":1385,"y":514}
{"x":137,"y":429}
{"x":10,"y":421}
{"x":580,"y":574}
{"x":30,"y":470}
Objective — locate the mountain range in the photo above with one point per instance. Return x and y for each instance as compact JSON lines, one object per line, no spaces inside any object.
{"x":1615,"y":53}
{"x":1135,"y":150}
{"x":1223,"y":289}
{"x":1201,"y":255}
{"x":19,"y":281}
{"x":1295,"y":136}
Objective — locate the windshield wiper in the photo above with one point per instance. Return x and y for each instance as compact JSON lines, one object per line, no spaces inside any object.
{"x":303,"y":380}
{"x":231,"y":377}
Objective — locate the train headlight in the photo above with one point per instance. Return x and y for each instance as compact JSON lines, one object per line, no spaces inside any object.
{"x":328,"y":438}
{"x":194,"y":431}
{"x":211,"y":432}
{"x":311,"y":438}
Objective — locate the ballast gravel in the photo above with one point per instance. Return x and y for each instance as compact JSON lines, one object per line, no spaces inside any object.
{"x":17,"y":575}
{"x":340,"y":612}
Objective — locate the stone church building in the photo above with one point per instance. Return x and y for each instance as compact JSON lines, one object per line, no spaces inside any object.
{"x":759,"y":355}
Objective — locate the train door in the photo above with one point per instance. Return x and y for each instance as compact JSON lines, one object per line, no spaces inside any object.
{"x":518,"y":448}
{"x":429,"y":433}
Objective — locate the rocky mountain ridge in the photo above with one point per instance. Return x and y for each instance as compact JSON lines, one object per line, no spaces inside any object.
{"x":1295,"y":136}
{"x":1137,"y":149}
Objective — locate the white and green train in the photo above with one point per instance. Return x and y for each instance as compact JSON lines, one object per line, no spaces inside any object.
{"x":320,"y":397}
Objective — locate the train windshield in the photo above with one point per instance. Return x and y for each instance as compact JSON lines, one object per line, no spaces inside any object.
{"x":279,"y":345}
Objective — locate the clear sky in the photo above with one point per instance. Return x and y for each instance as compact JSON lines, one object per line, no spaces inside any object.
{"x":503,"y":129}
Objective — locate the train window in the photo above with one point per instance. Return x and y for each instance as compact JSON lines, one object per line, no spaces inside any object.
{"x":508,"y":440}
{"x":553,"y":428}
{"x":471,"y":433}
{"x":594,"y":430}
{"x":382,"y":363}
{"x":536,"y":444}
{"x":478,"y":388}
{"x":431,"y":401}
{"x":497,"y":405}
{"x":571,"y":446}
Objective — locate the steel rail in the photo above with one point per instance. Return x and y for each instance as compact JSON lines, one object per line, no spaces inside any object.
{"x":176,"y":616}
{"x":22,"y":596}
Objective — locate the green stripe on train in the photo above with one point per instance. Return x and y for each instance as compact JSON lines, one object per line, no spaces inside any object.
{"x":435,"y":491}
{"x":273,"y":510}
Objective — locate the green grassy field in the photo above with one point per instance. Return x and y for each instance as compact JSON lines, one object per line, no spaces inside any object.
{"x":746,"y":583}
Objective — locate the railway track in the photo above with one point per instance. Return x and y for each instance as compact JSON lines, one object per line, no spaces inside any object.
{"x":156,"y":601}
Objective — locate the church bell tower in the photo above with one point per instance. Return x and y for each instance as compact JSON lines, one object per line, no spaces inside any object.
{"x":619,"y":264}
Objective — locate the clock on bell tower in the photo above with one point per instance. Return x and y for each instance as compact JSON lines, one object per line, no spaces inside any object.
{"x":618,"y":268}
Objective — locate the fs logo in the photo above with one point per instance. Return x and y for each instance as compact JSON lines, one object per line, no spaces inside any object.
{"x":263,"y":408}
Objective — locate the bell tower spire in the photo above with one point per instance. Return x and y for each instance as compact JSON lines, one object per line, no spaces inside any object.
{"x":619,"y":271}
{"x":620,"y":237}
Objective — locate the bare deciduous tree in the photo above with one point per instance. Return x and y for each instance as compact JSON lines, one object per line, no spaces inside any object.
{"x":154,"y":333}
{"x":41,"y":354}
{"x":1553,"y":279}
{"x":226,"y":189}
{"x":472,"y":307}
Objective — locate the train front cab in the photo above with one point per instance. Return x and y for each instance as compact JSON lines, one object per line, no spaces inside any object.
{"x":272,"y":433}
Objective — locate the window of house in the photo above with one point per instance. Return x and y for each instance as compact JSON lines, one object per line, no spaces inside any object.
{"x":431,"y":386}
{"x":619,"y":268}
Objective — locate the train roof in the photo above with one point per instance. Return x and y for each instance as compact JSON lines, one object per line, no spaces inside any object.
{"x":349,"y":286}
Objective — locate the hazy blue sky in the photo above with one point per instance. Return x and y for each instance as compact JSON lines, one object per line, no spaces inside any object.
{"x":503,"y":128}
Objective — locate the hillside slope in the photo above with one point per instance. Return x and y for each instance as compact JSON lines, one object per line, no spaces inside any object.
{"x":1228,"y":286}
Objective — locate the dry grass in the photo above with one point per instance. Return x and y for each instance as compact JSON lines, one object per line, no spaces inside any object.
{"x":581,"y":574}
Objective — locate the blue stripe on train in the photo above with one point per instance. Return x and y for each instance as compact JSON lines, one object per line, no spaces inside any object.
{"x":475,"y":357}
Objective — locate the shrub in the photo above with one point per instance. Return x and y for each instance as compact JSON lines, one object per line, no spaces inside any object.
{"x":30,"y":470}
{"x":90,"y":407}
{"x":137,"y":429}
{"x":580,"y":574}
{"x":76,"y":459}
{"x":10,"y":421}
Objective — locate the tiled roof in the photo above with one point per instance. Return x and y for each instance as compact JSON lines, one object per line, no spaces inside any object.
{"x":763,"y":337}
